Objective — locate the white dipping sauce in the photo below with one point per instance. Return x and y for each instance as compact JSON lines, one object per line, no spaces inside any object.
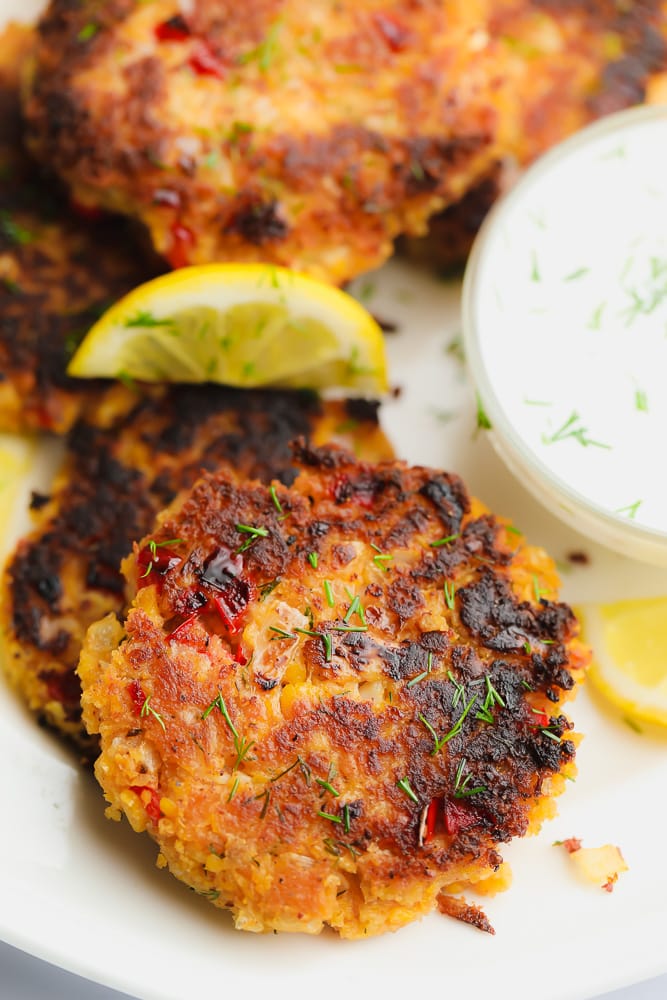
{"x":566,"y":330}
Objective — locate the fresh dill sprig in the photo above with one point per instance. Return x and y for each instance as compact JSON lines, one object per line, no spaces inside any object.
{"x":147,"y":709}
{"x":461,"y":790}
{"x":281,"y":633}
{"x":404,"y":785}
{"x":274,"y":498}
{"x":327,"y":786}
{"x":444,"y":541}
{"x":241,"y":745}
{"x":355,"y":608}
{"x":459,"y":692}
{"x":253,"y":532}
{"x":381,"y":559}
{"x":329,"y":816}
{"x":440,"y":742}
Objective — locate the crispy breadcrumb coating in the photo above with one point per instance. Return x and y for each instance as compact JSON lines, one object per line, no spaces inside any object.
{"x":331,"y":704}
{"x":312,"y":135}
{"x":120,"y":470}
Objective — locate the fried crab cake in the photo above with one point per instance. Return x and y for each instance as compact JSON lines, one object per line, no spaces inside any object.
{"x":330,"y":704}
{"x":58,"y":272}
{"x":307,"y":135}
{"x":116,"y":477}
{"x":312,"y":135}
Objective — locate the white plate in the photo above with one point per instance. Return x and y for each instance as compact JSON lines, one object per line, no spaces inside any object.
{"x":84,"y":894}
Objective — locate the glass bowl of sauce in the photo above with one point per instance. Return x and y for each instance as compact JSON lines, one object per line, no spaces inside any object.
{"x":565,"y":326}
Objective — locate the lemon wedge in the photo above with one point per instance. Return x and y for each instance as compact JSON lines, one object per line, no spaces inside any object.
{"x":245,"y":325}
{"x":629,"y":640}
{"x":16,"y":454}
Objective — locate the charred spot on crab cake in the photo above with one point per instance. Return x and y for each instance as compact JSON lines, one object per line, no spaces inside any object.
{"x":120,"y":470}
{"x":331,"y":704}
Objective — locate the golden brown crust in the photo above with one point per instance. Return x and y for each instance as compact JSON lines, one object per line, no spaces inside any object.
{"x":119,"y":472}
{"x":341,"y":127}
{"x":559,"y":64}
{"x":58,"y":271}
{"x":328,"y":709}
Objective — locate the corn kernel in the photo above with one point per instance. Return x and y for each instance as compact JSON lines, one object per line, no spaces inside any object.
{"x":295,"y":673}
{"x":214,"y":863}
{"x":289,"y":698}
{"x":168,"y":806}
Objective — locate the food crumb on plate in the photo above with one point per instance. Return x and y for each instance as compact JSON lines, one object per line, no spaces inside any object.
{"x":599,"y":865}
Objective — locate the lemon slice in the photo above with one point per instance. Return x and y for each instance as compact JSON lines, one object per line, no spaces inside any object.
{"x":16,"y":454}
{"x":629,"y":640}
{"x":245,"y":325}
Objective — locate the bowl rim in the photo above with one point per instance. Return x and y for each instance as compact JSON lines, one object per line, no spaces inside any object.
{"x":501,"y":426}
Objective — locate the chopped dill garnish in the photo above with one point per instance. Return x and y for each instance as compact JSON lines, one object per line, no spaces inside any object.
{"x":264,"y":53}
{"x":268,"y":588}
{"x":346,"y":818}
{"x":404,"y":785}
{"x":456,"y":728}
{"x":417,"y":679}
{"x":595,"y":321}
{"x":460,"y":691}
{"x":327,"y":786}
{"x":328,"y":593}
{"x":355,"y":608}
{"x":579,"y":273}
{"x":380,"y":559}
{"x":88,"y":31}
{"x":287,"y":770}
{"x":274,"y":499}
{"x":266,"y":795}
{"x":482,"y":421}
{"x":13,"y":231}
{"x":147,"y":709}
{"x":424,"y":720}
{"x":233,"y":789}
{"x":569,"y":429}
{"x":534,"y":267}
{"x":313,"y":559}
{"x":492,"y":698}
{"x":281,"y":633}
{"x":330,"y":816}
{"x":630,"y":510}
{"x":537,"y":590}
{"x":461,"y":791}
{"x":444,"y":541}
{"x":241,"y":745}
{"x":253,"y":532}
{"x":450,"y":593}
